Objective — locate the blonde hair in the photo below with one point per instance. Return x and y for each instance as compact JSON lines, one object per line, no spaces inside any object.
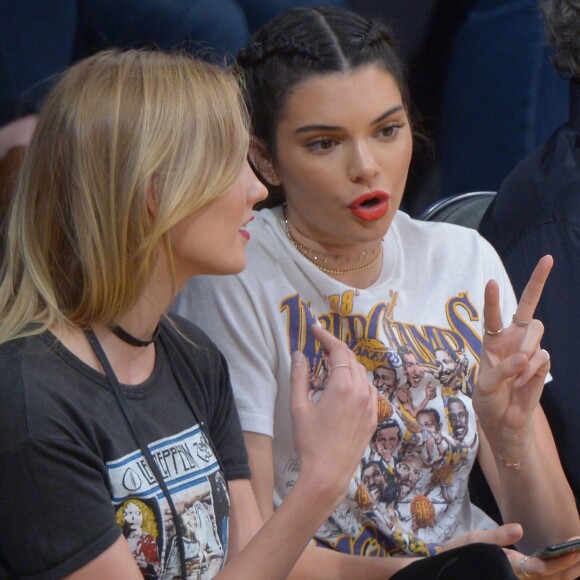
{"x":80,"y":242}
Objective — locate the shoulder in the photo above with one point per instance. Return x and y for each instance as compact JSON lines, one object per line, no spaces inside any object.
{"x":437,"y":237}
{"x":190,"y":340}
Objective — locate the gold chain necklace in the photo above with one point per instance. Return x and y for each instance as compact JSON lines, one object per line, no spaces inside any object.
{"x":304,"y":251}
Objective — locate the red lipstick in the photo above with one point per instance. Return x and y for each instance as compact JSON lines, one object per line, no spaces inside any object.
{"x":370,"y":206}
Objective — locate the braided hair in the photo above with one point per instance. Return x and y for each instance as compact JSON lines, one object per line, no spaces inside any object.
{"x":299,"y":44}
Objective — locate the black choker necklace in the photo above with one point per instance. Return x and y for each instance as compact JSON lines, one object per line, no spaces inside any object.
{"x":129,"y":338}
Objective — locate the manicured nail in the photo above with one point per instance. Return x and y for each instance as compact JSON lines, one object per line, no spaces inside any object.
{"x":297,"y":358}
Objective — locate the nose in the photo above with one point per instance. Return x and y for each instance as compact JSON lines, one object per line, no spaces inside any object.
{"x":257,"y":191}
{"x":363,"y":166}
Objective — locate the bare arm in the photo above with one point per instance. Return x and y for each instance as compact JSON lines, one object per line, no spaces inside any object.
{"x":513,"y":427}
{"x":262,"y":467}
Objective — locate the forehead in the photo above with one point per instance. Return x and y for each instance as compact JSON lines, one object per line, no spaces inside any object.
{"x":390,"y":430}
{"x":373,"y":468}
{"x":410,"y":461}
{"x":341,"y":98}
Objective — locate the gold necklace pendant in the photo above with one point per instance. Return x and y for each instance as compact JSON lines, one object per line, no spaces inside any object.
{"x":314,"y":258}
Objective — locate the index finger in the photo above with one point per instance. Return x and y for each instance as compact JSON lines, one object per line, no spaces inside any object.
{"x":533,"y":290}
{"x":338,"y":352}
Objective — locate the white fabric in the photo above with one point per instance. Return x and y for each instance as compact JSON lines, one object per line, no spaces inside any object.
{"x":429,"y":296}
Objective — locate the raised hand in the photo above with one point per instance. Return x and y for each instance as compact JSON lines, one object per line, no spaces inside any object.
{"x":331,"y":433}
{"x":513,"y":365}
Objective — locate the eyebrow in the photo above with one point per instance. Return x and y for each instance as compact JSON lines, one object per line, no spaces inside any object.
{"x":382,"y":117}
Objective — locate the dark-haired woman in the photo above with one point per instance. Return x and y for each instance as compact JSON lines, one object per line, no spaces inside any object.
{"x":332,"y":140}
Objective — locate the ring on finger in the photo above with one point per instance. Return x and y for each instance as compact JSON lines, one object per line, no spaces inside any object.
{"x":547,"y":354}
{"x":519,"y":322}
{"x":339,"y":365}
{"x":494,"y":332}
{"x":523,"y":563}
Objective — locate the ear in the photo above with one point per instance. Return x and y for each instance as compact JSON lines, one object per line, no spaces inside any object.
{"x":151,"y":195}
{"x":262,"y":161}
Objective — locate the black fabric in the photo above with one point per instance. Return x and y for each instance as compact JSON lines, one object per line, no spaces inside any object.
{"x":475,"y":562}
{"x":537,"y":212}
{"x":61,"y":432}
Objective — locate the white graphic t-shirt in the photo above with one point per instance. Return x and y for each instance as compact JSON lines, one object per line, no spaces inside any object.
{"x":417,"y":330}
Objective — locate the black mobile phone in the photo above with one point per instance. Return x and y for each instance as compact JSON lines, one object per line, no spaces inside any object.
{"x":555,"y":550}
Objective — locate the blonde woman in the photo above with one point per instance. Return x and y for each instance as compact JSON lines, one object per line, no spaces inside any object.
{"x":136,"y":179}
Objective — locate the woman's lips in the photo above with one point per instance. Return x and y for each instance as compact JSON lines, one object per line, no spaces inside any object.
{"x":244,"y":231}
{"x":370,"y":206}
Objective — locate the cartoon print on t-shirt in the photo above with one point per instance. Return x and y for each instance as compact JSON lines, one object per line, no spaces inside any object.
{"x":410,"y":484}
{"x":138,"y":522}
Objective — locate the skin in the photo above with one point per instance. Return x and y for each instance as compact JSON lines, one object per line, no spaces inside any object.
{"x":413,"y":369}
{"x":386,"y":441}
{"x":327,"y":462}
{"x":221,"y":221}
{"x":458,"y":416}
{"x":329,"y":151}
{"x":332,"y":146}
{"x":133,"y":517}
{"x":385,"y":380}
{"x":374,"y":480}
{"x":446,"y":366}
{"x":427,"y":419}
{"x":408,"y":474}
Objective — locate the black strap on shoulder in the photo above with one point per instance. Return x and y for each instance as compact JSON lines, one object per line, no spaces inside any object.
{"x":140,"y":440}
{"x":180,"y":367}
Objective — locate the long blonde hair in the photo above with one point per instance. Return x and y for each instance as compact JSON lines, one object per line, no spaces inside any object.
{"x":80,"y":242}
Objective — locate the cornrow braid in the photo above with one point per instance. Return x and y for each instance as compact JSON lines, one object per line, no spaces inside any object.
{"x":258,"y":52}
{"x":302,"y":43}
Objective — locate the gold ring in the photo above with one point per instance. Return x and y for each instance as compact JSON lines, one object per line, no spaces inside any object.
{"x":547,"y":354}
{"x":523,"y":563}
{"x":519,"y":322}
{"x":345,"y":365}
{"x":494,"y":332}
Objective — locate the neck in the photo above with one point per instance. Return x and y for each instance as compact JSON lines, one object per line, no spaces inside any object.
{"x":132,"y":365}
{"x":354,"y":263}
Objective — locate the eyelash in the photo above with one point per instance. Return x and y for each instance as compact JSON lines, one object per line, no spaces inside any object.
{"x":315,"y":146}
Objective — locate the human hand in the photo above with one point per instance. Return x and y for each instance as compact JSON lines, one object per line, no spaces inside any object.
{"x":562,"y":568}
{"x":566,"y":567}
{"x":331,"y":434}
{"x":505,"y":535}
{"x":513,"y":367}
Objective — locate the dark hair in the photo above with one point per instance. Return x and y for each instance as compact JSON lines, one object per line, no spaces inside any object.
{"x":299,"y":44}
{"x":431,"y":411}
{"x":562,"y":19}
{"x":386,"y":425}
{"x":451,"y":400}
{"x":451,"y":352}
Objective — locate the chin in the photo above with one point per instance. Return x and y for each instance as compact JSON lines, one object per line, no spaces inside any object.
{"x":233,"y":267}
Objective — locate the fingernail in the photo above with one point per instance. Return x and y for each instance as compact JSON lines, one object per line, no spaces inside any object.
{"x":297,"y":358}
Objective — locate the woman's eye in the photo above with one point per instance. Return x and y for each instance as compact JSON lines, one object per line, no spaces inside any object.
{"x":390,"y":131}
{"x":321,"y":145}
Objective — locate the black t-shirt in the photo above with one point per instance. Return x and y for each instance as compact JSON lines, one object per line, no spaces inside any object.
{"x":73,"y":478}
{"x":537,"y":212}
